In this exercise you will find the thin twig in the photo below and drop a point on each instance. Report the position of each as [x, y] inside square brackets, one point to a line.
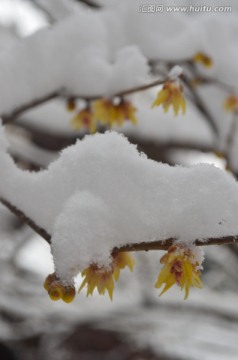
[199, 103]
[90, 3]
[7, 118]
[165, 244]
[43, 233]
[212, 81]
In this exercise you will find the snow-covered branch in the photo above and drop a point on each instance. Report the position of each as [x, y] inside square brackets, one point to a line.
[143, 246]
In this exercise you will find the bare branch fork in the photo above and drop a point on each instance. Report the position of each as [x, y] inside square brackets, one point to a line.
[143, 246]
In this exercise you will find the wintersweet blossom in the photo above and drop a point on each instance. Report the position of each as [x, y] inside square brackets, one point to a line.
[84, 119]
[106, 112]
[203, 59]
[103, 278]
[57, 290]
[121, 260]
[231, 103]
[100, 278]
[128, 110]
[182, 266]
[103, 111]
[171, 95]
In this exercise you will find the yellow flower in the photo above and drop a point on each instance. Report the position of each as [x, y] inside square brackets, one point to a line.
[100, 278]
[103, 278]
[103, 110]
[68, 294]
[203, 59]
[110, 114]
[231, 103]
[121, 260]
[128, 110]
[57, 290]
[171, 95]
[84, 119]
[181, 267]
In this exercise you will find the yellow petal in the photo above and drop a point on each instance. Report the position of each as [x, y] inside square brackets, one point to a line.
[170, 282]
[83, 284]
[116, 273]
[176, 104]
[162, 96]
[110, 287]
[183, 105]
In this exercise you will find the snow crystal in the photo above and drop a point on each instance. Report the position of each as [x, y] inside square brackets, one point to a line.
[102, 193]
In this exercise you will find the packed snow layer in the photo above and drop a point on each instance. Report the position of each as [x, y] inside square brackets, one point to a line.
[103, 52]
[102, 193]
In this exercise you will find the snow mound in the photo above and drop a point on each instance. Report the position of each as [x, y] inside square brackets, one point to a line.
[102, 193]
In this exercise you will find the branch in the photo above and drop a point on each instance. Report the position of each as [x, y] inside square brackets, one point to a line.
[199, 103]
[10, 117]
[90, 3]
[212, 81]
[144, 246]
[7, 118]
[43, 233]
[165, 244]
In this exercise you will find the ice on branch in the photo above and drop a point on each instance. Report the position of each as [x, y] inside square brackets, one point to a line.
[102, 193]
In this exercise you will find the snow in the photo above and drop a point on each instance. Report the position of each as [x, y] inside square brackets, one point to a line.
[22, 15]
[80, 64]
[22, 147]
[102, 52]
[175, 72]
[102, 193]
[108, 187]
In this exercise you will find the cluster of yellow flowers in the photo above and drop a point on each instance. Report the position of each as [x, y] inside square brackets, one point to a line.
[181, 267]
[104, 112]
[171, 95]
[57, 290]
[103, 278]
